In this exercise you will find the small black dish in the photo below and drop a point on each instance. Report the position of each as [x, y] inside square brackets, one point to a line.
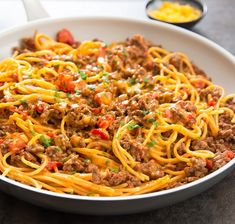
[199, 4]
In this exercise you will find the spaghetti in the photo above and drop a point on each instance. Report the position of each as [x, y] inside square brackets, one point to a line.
[109, 120]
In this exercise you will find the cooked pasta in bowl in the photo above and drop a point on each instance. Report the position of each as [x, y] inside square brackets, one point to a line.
[109, 119]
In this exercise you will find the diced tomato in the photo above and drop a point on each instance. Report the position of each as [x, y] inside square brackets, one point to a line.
[96, 110]
[17, 142]
[102, 52]
[134, 106]
[209, 164]
[65, 83]
[51, 134]
[1, 83]
[65, 36]
[104, 122]
[229, 154]
[81, 84]
[103, 98]
[199, 84]
[167, 114]
[101, 133]
[40, 107]
[190, 117]
[52, 165]
[211, 103]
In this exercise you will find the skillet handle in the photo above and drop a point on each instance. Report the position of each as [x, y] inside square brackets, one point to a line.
[34, 10]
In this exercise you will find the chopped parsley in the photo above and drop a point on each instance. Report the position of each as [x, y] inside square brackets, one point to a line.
[83, 75]
[150, 120]
[133, 126]
[155, 123]
[114, 169]
[145, 112]
[46, 142]
[151, 144]
[68, 95]
[146, 79]
[77, 92]
[23, 101]
[132, 81]
[105, 73]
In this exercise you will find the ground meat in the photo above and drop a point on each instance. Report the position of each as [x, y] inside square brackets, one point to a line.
[162, 94]
[5, 113]
[151, 168]
[74, 164]
[219, 160]
[36, 148]
[135, 148]
[11, 128]
[225, 140]
[146, 102]
[16, 158]
[226, 128]
[115, 179]
[62, 142]
[176, 60]
[215, 93]
[26, 44]
[51, 116]
[137, 47]
[77, 141]
[56, 154]
[152, 67]
[182, 112]
[200, 144]
[28, 156]
[198, 168]
[187, 106]
[231, 104]
[80, 117]
[96, 176]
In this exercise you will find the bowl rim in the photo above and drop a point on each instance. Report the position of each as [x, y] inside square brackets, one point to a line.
[46, 21]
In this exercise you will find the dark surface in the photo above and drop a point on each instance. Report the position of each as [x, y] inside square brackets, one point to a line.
[216, 206]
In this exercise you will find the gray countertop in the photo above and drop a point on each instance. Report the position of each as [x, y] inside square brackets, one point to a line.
[216, 206]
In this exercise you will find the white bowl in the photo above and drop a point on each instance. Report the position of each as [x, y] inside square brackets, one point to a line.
[217, 63]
